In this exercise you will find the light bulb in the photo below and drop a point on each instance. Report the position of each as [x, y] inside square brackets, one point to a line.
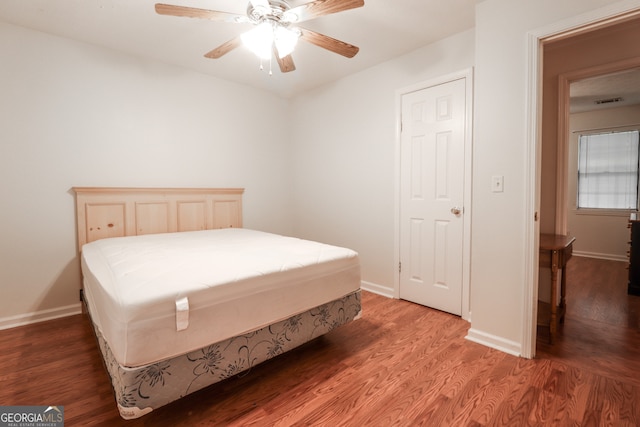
[260, 40]
[285, 40]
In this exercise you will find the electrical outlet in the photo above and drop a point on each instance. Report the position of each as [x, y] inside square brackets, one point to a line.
[497, 183]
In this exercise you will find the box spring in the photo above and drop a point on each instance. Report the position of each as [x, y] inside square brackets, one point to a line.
[140, 390]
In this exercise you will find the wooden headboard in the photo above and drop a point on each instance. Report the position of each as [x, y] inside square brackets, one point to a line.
[113, 212]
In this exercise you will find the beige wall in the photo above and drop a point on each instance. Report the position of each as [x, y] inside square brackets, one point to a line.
[73, 114]
[79, 115]
[601, 236]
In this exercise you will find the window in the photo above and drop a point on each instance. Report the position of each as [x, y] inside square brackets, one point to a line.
[608, 171]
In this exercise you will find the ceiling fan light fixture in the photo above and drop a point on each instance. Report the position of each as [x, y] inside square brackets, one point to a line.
[259, 40]
[273, 33]
[285, 39]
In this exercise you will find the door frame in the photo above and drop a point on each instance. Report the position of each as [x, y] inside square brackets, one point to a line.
[608, 15]
[467, 75]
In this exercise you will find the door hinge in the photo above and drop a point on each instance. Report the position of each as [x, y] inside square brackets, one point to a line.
[399, 267]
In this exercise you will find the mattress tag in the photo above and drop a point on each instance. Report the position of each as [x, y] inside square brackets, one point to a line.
[182, 314]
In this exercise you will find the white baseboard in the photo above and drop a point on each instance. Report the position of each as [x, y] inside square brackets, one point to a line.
[377, 289]
[601, 256]
[498, 343]
[39, 316]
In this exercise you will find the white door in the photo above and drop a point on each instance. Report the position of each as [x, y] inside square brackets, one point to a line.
[432, 181]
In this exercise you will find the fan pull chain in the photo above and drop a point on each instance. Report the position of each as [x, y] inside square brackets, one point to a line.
[261, 68]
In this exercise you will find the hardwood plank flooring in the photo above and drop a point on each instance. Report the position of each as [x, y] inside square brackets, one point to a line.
[401, 364]
[601, 332]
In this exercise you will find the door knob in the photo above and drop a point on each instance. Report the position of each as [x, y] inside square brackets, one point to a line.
[456, 210]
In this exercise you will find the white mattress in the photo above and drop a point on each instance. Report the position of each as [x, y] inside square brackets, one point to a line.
[233, 280]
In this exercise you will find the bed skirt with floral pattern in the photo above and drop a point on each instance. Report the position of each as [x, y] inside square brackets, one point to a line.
[140, 390]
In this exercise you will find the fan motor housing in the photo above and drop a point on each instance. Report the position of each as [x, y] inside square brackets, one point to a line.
[277, 11]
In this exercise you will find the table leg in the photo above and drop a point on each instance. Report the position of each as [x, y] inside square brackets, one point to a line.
[563, 290]
[553, 323]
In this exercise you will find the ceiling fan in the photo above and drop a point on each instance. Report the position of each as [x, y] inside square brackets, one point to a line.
[275, 29]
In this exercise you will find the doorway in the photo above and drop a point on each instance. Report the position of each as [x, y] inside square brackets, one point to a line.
[601, 49]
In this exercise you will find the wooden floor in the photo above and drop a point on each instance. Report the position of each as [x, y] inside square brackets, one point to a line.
[601, 333]
[401, 364]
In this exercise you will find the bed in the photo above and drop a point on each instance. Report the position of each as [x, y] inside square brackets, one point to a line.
[181, 296]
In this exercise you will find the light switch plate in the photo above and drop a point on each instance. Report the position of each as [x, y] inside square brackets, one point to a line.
[497, 183]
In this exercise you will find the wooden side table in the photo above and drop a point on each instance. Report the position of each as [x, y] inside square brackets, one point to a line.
[555, 252]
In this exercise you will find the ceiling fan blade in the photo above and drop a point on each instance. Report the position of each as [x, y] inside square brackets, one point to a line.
[192, 12]
[286, 63]
[224, 48]
[318, 8]
[329, 43]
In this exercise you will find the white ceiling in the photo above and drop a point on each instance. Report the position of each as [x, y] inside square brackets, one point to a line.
[382, 29]
[624, 86]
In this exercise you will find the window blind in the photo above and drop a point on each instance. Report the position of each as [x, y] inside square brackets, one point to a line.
[608, 170]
